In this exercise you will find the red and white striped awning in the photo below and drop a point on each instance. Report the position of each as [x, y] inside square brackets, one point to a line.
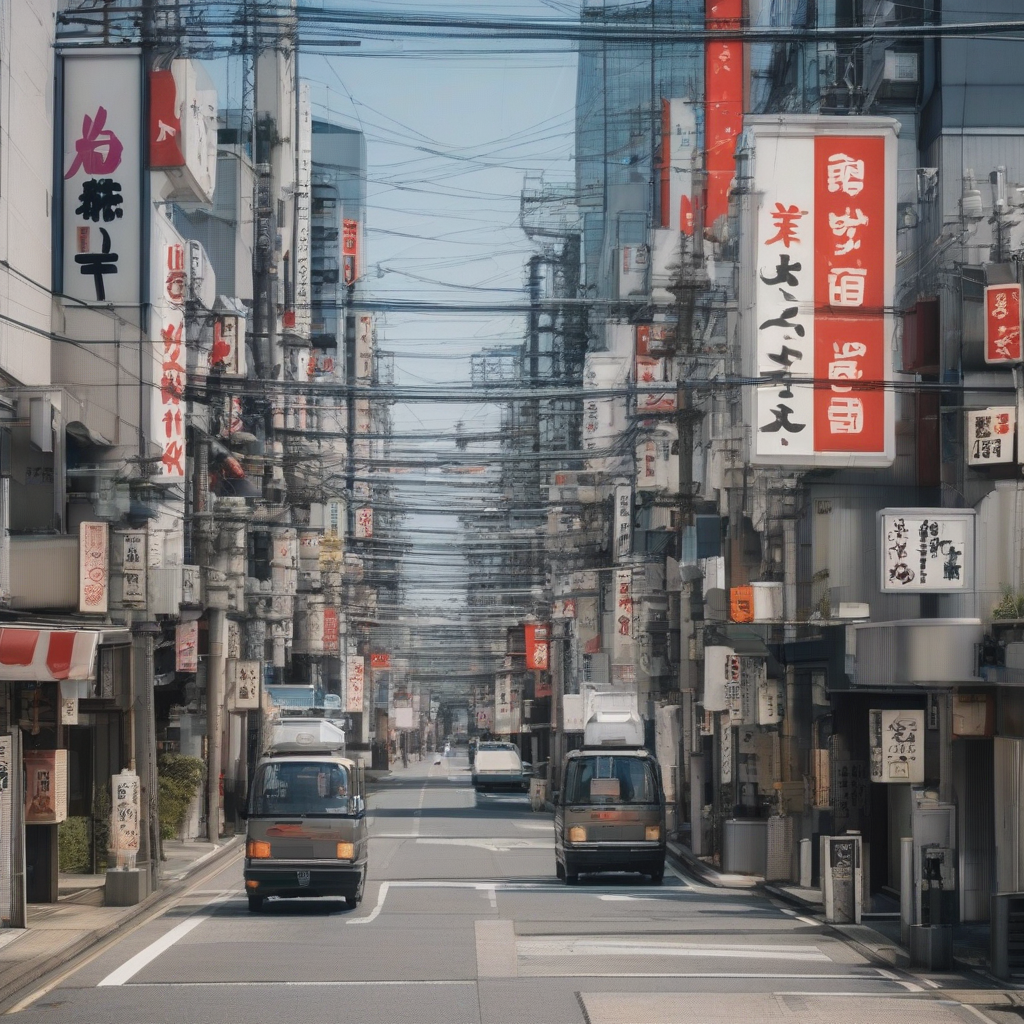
[47, 655]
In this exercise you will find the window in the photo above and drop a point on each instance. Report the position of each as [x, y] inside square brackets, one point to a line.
[611, 779]
[302, 788]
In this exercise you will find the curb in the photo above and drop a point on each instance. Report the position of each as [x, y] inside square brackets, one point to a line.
[32, 972]
[707, 875]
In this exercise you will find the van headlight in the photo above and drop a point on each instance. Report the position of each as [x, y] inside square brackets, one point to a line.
[257, 849]
[346, 851]
[652, 833]
[577, 834]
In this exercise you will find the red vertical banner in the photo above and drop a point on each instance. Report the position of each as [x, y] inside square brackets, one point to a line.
[537, 647]
[723, 105]
[1002, 323]
[849, 293]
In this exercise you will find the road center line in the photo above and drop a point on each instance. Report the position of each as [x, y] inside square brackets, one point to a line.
[131, 967]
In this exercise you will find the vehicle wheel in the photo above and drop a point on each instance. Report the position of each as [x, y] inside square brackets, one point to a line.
[657, 876]
[572, 876]
[255, 903]
[559, 870]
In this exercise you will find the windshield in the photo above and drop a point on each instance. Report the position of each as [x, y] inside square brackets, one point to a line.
[300, 787]
[602, 779]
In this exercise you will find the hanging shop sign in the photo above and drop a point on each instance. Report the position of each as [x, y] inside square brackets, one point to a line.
[503, 702]
[679, 148]
[622, 618]
[169, 289]
[350, 251]
[927, 550]
[988, 438]
[46, 786]
[725, 746]
[186, 646]
[355, 671]
[102, 173]
[723, 107]
[823, 285]
[1002, 323]
[623, 521]
[897, 745]
[93, 568]
[133, 569]
[246, 685]
[537, 646]
[721, 670]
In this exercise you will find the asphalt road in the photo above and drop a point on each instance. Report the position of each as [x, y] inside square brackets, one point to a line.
[463, 922]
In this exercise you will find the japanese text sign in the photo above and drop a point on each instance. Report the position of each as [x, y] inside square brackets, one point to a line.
[1002, 323]
[989, 436]
[102, 160]
[537, 647]
[926, 550]
[355, 684]
[897, 746]
[823, 282]
[169, 290]
[93, 568]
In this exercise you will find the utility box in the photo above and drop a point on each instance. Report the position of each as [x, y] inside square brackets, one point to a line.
[744, 846]
[842, 878]
[1007, 953]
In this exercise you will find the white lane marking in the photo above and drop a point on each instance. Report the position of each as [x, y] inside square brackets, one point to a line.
[524, 887]
[131, 967]
[375, 913]
[809, 920]
[930, 983]
[493, 845]
[975, 1011]
[291, 984]
[558, 946]
[888, 975]
[418, 813]
[617, 898]
[910, 986]
[492, 896]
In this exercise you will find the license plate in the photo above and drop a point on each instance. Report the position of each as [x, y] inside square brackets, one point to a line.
[302, 877]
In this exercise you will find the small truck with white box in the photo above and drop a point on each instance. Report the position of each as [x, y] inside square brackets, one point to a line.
[610, 814]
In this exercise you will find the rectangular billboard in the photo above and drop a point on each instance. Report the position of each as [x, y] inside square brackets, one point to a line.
[823, 277]
[102, 175]
[926, 550]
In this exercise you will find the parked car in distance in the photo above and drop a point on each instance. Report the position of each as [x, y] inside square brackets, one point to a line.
[499, 766]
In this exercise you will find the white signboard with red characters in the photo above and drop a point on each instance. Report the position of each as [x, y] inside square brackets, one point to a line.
[1002, 323]
[823, 284]
[102, 161]
[169, 289]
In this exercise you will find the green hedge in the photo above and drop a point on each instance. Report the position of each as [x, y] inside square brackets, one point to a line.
[74, 846]
[180, 778]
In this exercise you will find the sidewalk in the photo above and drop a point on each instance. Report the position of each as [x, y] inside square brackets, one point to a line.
[58, 932]
[874, 942]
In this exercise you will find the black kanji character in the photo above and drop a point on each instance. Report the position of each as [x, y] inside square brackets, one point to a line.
[99, 263]
[782, 421]
[784, 271]
[783, 321]
[100, 197]
[785, 357]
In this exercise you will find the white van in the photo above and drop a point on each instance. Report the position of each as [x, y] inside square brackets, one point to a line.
[498, 767]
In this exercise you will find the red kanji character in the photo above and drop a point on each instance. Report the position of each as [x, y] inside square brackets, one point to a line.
[172, 459]
[785, 219]
[172, 423]
[99, 149]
